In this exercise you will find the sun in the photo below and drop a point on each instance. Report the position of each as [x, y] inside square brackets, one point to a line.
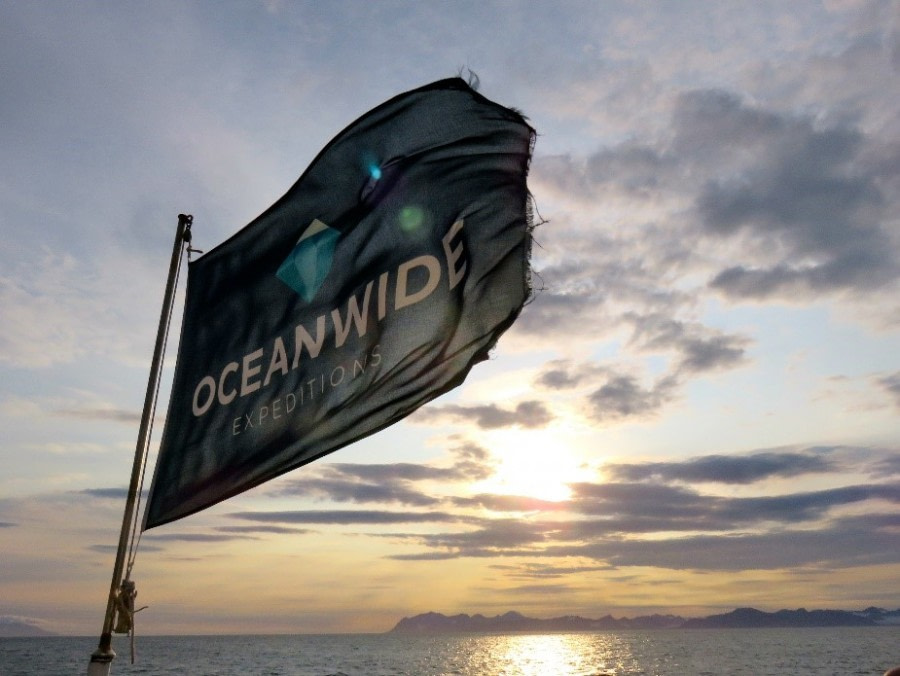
[531, 463]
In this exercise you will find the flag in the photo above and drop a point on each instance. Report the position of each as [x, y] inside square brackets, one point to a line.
[371, 287]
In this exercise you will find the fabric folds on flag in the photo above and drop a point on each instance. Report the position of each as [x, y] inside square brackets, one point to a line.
[374, 285]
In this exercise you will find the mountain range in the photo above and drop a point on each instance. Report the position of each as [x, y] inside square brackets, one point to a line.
[740, 618]
[15, 627]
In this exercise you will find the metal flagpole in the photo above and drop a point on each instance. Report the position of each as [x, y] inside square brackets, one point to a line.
[102, 658]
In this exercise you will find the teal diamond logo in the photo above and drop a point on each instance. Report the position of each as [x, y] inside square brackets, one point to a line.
[305, 268]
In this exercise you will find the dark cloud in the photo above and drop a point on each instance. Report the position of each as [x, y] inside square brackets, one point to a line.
[714, 126]
[803, 199]
[877, 521]
[195, 537]
[7, 524]
[623, 396]
[108, 414]
[673, 507]
[569, 307]
[633, 167]
[559, 378]
[352, 490]
[600, 517]
[697, 350]
[700, 349]
[528, 414]
[710, 354]
[508, 503]
[727, 469]
[804, 193]
[433, 556]
[106, 493]
[844, 542]
[346, 517]
[493, 537]
[276, 530]
[887, 467]
[638, 500]
[891, 385]
[803, 506]
[388, 483]
[542, 571]
[563, 374]
[496, 534]
[469, 451]
[112, 549]
[536, 589]
[402, 471]
[840, 546]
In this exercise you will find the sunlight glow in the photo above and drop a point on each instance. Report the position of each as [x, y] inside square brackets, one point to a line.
[532, 463]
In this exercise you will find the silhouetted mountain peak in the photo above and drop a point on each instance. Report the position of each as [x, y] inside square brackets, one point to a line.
[740, 618]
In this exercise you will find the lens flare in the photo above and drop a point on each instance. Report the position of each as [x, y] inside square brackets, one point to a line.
[411, 218]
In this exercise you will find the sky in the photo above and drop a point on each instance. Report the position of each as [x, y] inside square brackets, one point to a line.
[698, 411]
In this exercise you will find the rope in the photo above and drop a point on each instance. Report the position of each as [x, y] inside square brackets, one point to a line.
[135, 539]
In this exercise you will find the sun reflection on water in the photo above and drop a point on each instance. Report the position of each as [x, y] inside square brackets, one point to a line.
[549, 654]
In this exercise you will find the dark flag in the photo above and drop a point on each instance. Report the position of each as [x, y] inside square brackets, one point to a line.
[373, 286]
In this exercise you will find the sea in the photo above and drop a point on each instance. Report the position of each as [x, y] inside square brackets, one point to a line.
[676, 652]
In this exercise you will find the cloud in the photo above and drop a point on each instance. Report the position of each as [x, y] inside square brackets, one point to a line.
[496, 534]
[628, 523]
[388, 483]
[404, 471]
[727, 469]
[196, 537]
[623, 396]
[543, 571]
[7, 524]
[351, 490]
[774, 196]
[839, 546]
[700, 349]
[714, 353]
[113, 549]
[111, 414]
[887, 467]
[346, 517]
[804, 192]
[891, 384]
[494, 537]
[277, 530]
[527, 414]
[860, 542]
[537, 589]
[674, 507]
[119, 494]
[563, 374]
[634, 167]
[869, 539]
[508, 503]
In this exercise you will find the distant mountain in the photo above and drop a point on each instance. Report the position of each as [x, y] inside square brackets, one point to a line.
[741, 618]
[13, 627]
[880, 615]
[747, 618]
[429, 623]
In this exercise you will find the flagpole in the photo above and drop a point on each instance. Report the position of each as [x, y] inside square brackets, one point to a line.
[102, 658]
